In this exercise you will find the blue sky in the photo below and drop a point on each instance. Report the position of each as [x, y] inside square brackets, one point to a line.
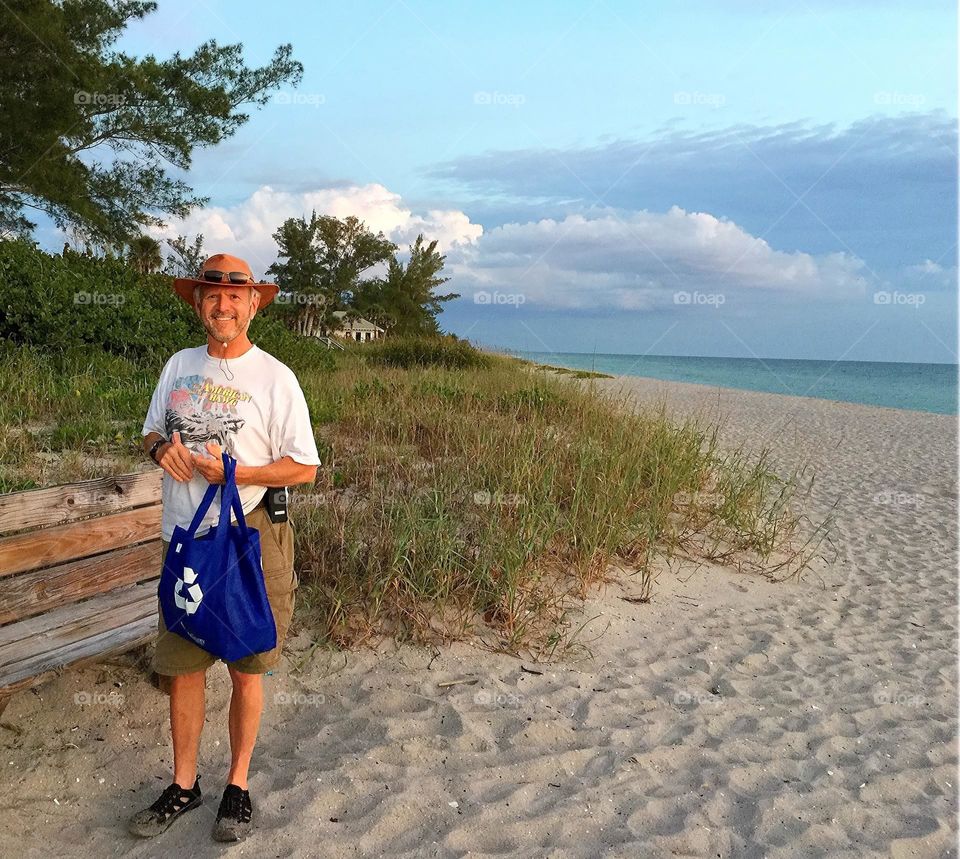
[729, 178]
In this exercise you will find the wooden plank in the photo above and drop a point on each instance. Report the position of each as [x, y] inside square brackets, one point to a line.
[137, 628]
[139, 632]
[55, 505]
[37, 549]
[73, 615]
[106, 627]
[42, 590]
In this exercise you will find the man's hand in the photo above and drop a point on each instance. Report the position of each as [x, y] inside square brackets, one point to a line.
[174, 459]
[210, 469]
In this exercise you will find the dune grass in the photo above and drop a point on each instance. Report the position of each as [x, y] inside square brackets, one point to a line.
[488, 501]
[69, 415]
[462, 495]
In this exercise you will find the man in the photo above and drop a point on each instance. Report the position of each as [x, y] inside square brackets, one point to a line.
[228, 394]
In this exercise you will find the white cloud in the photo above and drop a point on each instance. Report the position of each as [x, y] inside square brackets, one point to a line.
[639, 260]
[612, 261]
[928, 266]
[247, 229]
[929, 275]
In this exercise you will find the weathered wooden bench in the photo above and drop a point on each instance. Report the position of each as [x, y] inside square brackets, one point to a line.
[79, 565]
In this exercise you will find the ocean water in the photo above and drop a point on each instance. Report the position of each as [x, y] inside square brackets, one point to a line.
[922, 387]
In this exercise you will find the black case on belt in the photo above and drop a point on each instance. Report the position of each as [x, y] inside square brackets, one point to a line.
[276, 503]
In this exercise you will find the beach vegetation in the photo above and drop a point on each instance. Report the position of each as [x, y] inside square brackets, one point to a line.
[462, 495]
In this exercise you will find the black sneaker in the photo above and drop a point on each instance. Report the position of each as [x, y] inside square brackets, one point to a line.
[173, 802]
[234, 815]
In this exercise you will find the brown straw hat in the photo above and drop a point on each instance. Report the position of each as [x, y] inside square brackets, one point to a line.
[224, 270]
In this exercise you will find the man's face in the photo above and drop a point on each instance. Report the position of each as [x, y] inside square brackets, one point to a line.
[225, 311]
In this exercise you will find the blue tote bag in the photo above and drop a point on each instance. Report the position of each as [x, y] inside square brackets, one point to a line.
[211, 589]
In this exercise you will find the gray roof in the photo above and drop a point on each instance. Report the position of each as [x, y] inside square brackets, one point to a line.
[355, 324]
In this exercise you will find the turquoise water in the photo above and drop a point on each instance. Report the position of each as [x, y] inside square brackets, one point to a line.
[922, 387]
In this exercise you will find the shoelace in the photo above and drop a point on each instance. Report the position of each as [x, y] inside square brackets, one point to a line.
[172, 800]
[236, 805]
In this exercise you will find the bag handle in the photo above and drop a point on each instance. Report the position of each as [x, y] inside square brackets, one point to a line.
[230, 495]
[202, 509]
[229, 500]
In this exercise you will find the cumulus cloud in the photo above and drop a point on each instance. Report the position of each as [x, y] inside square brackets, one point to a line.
[247, 228]
[639, 260]
[614, 260]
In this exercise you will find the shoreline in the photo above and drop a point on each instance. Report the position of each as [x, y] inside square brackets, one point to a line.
[722, 390]
[725, 388]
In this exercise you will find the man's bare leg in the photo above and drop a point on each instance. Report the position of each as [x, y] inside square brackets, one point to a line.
[246, 705]
[187, 707]
[186, 723]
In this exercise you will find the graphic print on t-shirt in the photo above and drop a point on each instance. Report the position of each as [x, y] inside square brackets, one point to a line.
[202, 410]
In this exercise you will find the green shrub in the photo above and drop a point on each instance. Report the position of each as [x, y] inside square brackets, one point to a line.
[409, 352]
[61, 302]
[64, 302]
[298, 353]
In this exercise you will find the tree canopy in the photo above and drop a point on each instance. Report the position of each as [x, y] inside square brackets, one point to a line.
[186, 257]
[403, 302]
[88, 134]
[144, 255]
[319, 265]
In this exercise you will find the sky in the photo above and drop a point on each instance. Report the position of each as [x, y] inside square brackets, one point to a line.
[734, 178]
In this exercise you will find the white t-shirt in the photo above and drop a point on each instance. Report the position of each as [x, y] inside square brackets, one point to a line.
[252, 406]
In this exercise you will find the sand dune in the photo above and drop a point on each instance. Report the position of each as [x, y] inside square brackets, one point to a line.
[730, 717]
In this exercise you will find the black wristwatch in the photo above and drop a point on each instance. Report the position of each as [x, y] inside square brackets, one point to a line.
[155, 447]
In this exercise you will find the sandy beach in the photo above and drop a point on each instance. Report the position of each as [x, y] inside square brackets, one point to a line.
[730, 717]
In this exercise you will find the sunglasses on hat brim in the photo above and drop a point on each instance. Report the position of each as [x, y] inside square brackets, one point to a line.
[237, 277]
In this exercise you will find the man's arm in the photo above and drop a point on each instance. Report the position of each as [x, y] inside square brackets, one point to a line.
[286, 471]
[172, 457]
[149, 439]
[179, 462]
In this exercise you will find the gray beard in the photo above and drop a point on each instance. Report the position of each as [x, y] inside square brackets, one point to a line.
[220, 338]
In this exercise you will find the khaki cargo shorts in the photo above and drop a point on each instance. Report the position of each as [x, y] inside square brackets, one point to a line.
[175, 655]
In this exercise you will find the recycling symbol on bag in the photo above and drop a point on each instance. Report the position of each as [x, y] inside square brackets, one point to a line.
[191, 602]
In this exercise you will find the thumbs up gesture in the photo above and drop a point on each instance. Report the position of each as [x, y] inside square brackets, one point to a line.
[211, 467]
[175, 459]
